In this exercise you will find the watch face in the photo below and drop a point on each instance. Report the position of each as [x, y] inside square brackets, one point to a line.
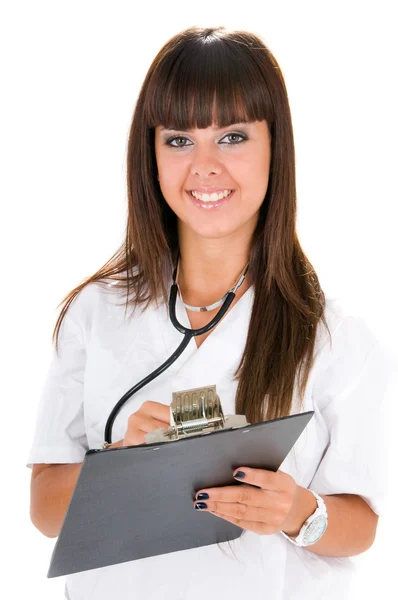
[315, 530]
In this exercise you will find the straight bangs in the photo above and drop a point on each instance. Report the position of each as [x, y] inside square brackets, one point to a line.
[217, 82]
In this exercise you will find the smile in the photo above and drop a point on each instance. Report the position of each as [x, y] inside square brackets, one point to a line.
[221, 200]
[210, 197]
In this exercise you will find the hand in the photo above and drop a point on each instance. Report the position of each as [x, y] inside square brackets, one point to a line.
[152, 415]
[266, 503]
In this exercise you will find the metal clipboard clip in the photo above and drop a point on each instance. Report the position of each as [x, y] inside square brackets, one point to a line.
[195, 412]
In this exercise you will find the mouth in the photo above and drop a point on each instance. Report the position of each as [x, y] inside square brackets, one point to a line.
[210, 204]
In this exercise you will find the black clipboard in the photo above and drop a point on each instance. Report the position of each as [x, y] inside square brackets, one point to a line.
[137, 501]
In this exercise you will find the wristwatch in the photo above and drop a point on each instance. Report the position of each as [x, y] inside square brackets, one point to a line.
[314, 527]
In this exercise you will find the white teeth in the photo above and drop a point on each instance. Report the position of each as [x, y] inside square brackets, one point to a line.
[211, 197]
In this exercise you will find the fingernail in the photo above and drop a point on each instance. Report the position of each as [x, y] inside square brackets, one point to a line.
[203, 496]
[200, 505]
[240, 475]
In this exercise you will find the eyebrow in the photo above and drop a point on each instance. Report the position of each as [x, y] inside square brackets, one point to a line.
[214, 128]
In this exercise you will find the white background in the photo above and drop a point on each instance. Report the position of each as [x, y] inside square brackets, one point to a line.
[70, 76]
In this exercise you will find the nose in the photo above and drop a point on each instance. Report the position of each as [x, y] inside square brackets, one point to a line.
[204, 162]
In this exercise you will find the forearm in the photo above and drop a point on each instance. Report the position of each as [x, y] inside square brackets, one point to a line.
[52, 490]
[351, 526]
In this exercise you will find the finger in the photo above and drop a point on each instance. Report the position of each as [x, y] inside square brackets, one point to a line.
[147, 424]
[267, 480]
[257, 527]
[243, 494]
[156, 410]
[246, 513]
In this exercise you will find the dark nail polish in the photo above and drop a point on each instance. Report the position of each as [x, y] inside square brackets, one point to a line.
[200, 505]
[240, 475]
[203, 496]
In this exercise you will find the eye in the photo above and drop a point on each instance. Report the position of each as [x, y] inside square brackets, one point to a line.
[229, 135]
[244, 138]
[176, 137]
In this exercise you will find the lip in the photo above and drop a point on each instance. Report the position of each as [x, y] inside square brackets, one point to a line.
[209, 190]
[211, 205]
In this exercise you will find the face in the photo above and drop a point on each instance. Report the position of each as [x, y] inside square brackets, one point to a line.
[232, 158]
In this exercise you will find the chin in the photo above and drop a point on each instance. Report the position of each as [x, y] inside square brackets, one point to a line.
[212, 231]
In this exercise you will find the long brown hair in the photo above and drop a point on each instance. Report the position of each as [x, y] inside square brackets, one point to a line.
[199, 75]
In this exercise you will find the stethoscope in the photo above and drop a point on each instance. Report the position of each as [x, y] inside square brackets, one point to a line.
[188, 335]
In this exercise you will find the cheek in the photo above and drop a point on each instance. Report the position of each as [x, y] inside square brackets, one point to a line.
[252, 181]
[172, 178]
[254, 176]
[173, 196]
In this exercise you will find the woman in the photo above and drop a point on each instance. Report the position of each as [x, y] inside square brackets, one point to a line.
[213, 117]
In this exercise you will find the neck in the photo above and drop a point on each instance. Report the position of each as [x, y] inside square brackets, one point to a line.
[206, 274]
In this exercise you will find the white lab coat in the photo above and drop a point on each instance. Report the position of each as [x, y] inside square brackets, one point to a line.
[102, 356]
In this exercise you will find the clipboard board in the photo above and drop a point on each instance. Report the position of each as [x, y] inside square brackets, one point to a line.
[136, 502]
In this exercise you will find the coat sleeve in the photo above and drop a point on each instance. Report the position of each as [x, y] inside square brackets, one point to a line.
[352, 393]
[59, 433]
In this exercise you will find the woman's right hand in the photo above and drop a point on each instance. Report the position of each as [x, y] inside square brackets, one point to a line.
[152, 415]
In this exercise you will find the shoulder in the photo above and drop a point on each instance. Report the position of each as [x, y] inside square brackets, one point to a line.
[350, 331]
[354, 355]
[351, 343]
[96, 301]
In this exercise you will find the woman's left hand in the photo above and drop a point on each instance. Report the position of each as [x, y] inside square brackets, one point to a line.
[265, 503]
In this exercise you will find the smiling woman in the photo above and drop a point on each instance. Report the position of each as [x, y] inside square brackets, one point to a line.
[212, 190]
[213, 112]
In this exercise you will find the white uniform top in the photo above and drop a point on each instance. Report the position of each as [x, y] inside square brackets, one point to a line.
[341, 451]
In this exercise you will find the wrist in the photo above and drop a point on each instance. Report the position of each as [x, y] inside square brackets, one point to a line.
[304, 507]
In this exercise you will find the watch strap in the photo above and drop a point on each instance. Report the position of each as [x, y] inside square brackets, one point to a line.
[320, 510]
